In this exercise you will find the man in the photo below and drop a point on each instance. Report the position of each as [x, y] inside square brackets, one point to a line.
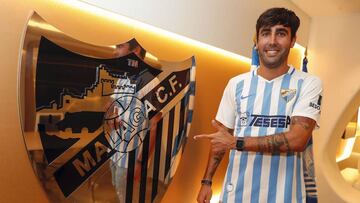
[265, 119]
[118, 128]
[131, 46]
[134, 123]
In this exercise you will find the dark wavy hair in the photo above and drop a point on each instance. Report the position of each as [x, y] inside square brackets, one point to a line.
[278, 16]
[133, 44]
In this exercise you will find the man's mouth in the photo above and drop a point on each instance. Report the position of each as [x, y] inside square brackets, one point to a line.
[271, 52]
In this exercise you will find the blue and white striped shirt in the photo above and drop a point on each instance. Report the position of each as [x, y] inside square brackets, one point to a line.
[254, 106]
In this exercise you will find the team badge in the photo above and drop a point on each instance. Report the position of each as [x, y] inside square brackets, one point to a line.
[288, 94]
[90, 110]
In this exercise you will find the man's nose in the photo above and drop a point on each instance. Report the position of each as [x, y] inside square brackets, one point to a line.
[272, 38]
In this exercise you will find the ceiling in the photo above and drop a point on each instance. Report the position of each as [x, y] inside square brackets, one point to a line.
[328, 7]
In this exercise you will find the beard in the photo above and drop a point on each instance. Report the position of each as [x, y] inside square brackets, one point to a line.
[276, 59]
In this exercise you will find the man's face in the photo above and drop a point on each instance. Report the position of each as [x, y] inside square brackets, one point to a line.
[122, 49]
[274, 45]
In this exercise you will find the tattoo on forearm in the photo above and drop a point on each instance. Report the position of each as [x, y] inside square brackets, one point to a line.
[300, 129]
[263, 145]
[217, 158]
[303, 122]
[280, 141]
[214, 163]
[287, 145]
[274, 143]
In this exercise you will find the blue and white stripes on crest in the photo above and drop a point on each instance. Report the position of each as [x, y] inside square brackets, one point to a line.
[181, 134]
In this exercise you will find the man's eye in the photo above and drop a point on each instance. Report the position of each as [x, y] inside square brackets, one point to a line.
[264, 34]
[281, 34]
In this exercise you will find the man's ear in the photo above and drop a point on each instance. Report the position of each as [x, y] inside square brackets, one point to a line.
[255, 41]
[293, 40]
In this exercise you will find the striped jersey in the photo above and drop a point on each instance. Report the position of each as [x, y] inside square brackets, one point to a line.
[254, 106]
[132, 115]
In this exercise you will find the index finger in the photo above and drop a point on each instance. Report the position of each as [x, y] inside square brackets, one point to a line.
[204, 136]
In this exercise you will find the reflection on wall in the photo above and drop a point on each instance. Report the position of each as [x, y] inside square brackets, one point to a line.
[348, 152]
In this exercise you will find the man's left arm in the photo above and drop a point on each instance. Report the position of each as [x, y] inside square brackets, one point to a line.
[292, 141]
[304, 118]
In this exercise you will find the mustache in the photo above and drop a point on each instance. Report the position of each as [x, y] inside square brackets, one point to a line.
[272, 46]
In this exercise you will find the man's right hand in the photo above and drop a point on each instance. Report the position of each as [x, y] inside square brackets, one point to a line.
[205, 194]
[221, 141]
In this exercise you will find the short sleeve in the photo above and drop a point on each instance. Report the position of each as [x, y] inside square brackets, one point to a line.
[226, 111]
[308, 103]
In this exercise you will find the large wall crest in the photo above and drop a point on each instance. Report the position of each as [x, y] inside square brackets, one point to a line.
[102, 123]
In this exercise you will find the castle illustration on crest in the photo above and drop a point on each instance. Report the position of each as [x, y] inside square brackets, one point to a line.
[94, 97]
[79, 112]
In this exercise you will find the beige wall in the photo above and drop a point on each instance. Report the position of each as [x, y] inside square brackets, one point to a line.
[17, 180]
[228, 24]
[14, 164]
[334, 56]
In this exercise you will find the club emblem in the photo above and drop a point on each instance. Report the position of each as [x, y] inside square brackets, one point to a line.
[94, 112]
[288, 94]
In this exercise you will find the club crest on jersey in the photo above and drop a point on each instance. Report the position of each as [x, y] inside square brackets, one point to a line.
[287, 94]
[244, 118]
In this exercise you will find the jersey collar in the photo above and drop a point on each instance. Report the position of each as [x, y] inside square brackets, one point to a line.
[290, 72]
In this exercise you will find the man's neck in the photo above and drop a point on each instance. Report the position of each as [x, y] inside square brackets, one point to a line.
[271, 73]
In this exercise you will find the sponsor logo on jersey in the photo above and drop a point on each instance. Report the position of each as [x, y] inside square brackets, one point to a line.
[273, 121]
[288, 94]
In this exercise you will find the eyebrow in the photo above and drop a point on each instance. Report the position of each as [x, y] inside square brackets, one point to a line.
[281, 30]
[266, 29]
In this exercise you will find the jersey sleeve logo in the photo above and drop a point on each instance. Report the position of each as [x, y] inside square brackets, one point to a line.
[316, 105]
